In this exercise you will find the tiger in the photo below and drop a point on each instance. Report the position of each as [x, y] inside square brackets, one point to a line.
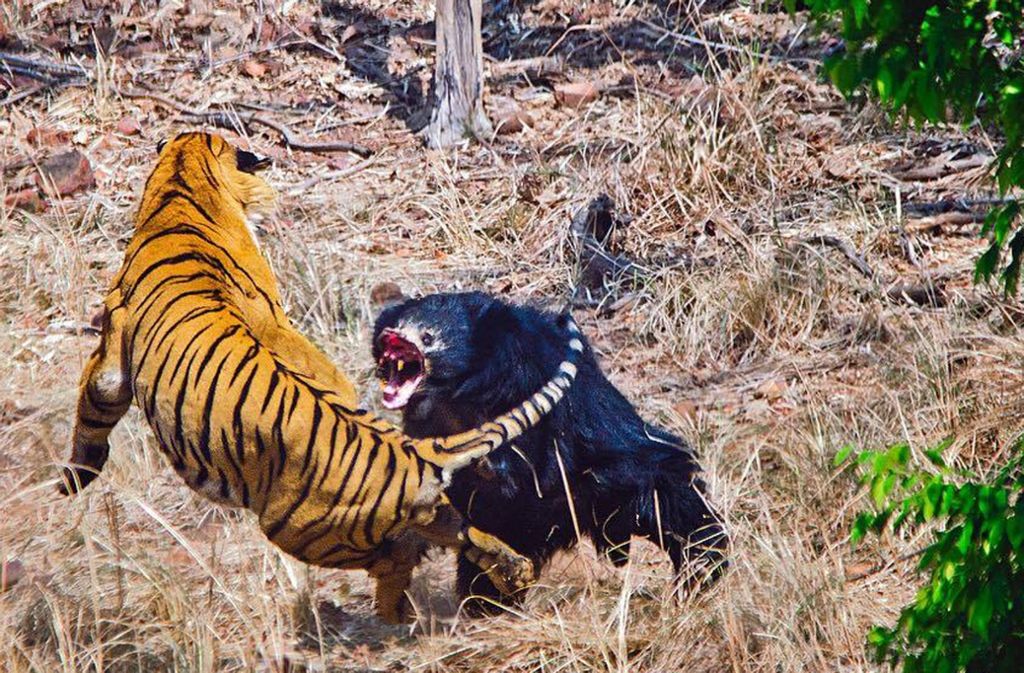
[248, 412]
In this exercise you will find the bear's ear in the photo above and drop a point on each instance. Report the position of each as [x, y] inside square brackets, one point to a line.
[387, 294]
[247, 162]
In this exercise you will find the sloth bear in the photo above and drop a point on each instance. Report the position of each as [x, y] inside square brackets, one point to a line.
[451, 361]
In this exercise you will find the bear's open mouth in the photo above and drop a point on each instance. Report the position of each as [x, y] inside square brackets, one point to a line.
[400, 369]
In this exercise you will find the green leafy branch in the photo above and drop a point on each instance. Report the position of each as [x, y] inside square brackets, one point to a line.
[936, 61]
[969, 615]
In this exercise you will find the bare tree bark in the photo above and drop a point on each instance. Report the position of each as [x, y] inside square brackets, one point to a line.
[458, 75]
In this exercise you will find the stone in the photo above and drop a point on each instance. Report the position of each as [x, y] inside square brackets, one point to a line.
[66, 173]
[576, 94]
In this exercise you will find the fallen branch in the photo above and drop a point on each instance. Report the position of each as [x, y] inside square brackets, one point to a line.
[304, 186]
[325, 147]
[47, 74]
[842, 246]
[711, 45]
[924, 294]
[24, 93]
[879, 567]
[56, 74]
[935, 223]
[541, 65]
[16, 165]
[42, 70]
[940, 169]
[946, 205]
[224, 119]
[907, 245]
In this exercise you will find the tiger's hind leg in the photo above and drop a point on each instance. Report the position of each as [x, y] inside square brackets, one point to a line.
[393, 573]
[104, 397]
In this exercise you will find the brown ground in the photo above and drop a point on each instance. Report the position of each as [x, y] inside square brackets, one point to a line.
[766, 353]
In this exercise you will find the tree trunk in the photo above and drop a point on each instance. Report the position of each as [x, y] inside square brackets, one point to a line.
[458, 75]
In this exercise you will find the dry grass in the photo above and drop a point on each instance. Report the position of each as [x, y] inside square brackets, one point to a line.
[729, 167]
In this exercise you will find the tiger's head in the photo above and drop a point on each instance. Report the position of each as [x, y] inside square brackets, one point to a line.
[230, 170]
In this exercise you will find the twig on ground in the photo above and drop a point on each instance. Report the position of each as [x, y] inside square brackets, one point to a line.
[842, 246]
[907, 244]
[325, 147]
[542, 65]
[249, 53]
[16, 165]
[39, 69]
[935, 223]
[225, 120]
[947, 205]
[721, 46]
[874, 570]
[47, 74]
[305, 185]
[67, 75]
[24, 93]
[940, 169]
[926, 293]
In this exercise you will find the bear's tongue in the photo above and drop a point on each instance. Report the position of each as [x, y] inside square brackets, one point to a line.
[397, 391]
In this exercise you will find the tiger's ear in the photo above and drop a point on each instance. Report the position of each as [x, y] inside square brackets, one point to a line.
[160, 146]
[247, 162]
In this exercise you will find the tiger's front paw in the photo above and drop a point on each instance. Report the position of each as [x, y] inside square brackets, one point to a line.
[508, 570]
[511, 573]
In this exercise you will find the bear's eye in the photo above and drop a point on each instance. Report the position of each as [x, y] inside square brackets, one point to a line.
[428, 338]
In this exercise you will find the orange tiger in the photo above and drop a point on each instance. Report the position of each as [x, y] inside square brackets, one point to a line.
[248, 411]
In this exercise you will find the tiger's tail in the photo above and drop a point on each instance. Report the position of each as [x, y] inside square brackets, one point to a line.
[457, 451]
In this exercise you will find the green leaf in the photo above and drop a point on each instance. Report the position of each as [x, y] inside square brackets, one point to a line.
[842, 455]
[860, 527]
[878, 491]
[860, 11]
[980, 612]
[987, 263]
[1015, 532]
[845, 75]
[929, 100]
[966, 535]
[932, 498]
[934, 456]
[884, 83]
[1011, 275]
[995, 534]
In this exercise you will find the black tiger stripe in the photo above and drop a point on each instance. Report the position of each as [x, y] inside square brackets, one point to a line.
[282, 448]
[211, 396]
[95, 423]
[226, 446]
[371, 517]
[314, 436]
[333, 443]
[275, 377]
[237, 425]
